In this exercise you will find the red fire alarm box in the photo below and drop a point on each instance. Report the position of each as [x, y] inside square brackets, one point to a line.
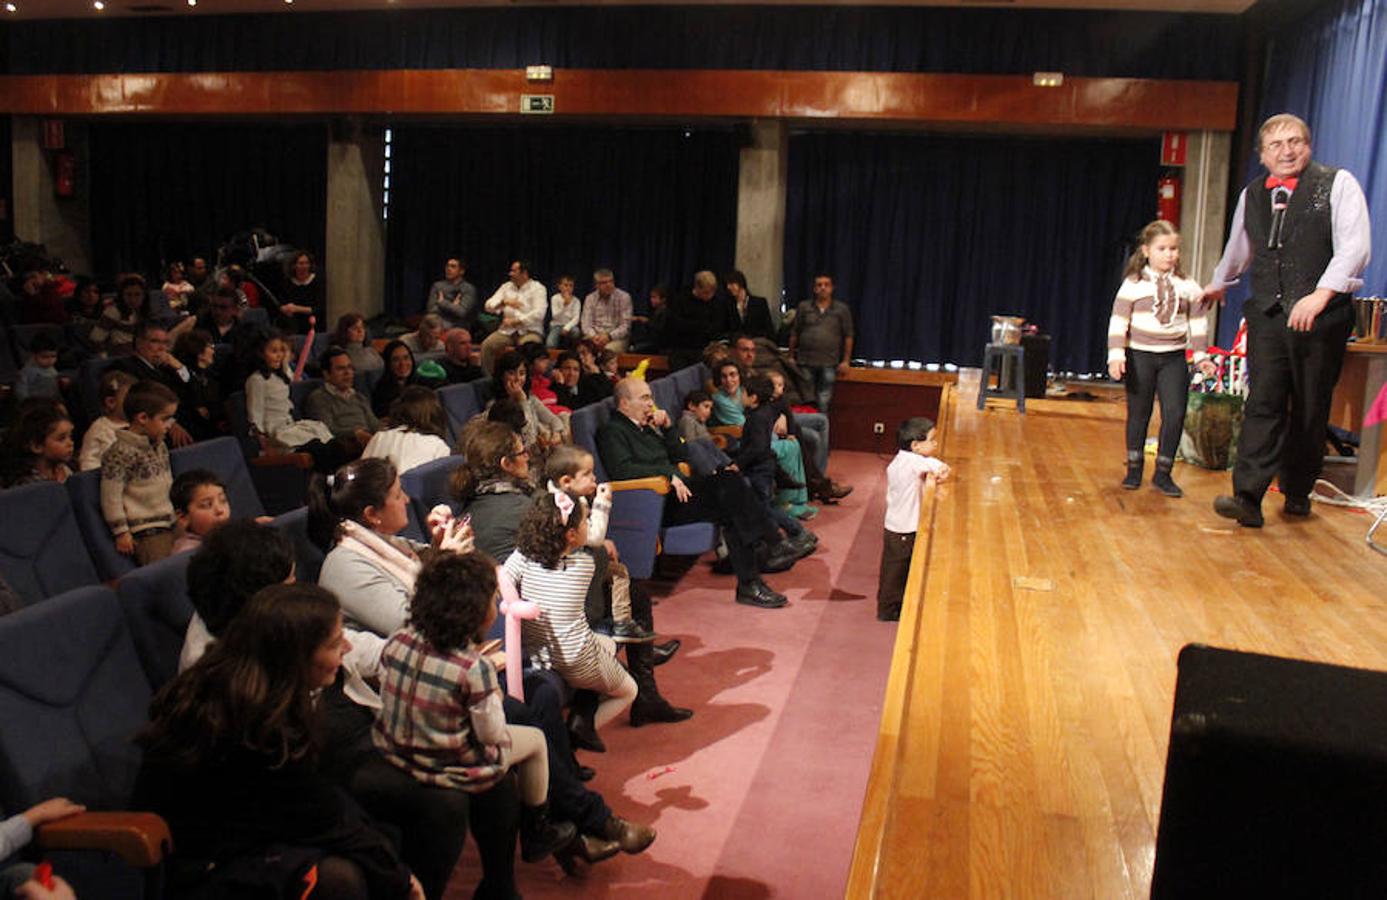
[1173, 144]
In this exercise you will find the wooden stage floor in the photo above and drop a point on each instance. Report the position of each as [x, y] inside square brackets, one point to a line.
[1024, 736]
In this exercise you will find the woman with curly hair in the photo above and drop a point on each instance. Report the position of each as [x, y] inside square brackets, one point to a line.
[230, 762]
[494, 485]
[441, 717]
[548, 569]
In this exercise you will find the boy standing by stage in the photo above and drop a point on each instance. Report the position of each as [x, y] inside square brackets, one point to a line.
[914, 462]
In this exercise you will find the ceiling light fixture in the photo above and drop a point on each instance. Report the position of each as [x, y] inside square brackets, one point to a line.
[10, 7]
[98, 6]
[192, 2]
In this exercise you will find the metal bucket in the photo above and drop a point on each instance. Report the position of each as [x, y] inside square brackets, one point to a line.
[1369, 313]
[1007, 329]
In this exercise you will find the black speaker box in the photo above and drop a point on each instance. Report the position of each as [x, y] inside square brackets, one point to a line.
[1276, 780]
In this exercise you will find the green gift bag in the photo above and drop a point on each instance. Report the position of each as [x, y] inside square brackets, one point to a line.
[1212, 423]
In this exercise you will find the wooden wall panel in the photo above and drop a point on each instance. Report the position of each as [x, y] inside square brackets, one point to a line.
[1111, 104]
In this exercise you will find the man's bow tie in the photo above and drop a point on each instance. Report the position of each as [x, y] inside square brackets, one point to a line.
[1287, 183]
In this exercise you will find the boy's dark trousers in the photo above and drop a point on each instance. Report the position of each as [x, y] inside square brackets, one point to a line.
[895, 569]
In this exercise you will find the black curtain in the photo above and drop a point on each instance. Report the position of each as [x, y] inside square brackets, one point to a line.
[654, 205]
[929, 235]
[165, 191]
[735, 36]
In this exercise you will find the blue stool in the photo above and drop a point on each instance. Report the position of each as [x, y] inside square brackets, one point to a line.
[1009, 362]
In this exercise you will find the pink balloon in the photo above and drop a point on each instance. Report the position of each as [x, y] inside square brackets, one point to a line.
[514, 609]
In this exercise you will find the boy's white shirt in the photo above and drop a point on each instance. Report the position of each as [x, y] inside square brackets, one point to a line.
[903, 488]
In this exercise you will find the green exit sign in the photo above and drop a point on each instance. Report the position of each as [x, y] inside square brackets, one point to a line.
[537, 104]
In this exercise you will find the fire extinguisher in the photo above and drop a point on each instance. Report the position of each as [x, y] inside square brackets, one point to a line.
[1168, 198]
[65, 175]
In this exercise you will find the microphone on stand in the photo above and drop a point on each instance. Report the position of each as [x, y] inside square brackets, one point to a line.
[1279, 201]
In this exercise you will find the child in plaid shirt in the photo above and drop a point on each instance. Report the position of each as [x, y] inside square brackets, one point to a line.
[441, 718]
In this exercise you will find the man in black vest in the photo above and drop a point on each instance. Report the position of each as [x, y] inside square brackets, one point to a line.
[1303, 231]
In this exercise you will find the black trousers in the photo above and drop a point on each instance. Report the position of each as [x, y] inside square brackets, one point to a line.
[1149, 376]
[895, 569]
[1292, 375]
[569, 798]
[727, 499]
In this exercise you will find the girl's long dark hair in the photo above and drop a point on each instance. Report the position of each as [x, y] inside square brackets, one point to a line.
[17, 456]
[355, 486]
[253, 690]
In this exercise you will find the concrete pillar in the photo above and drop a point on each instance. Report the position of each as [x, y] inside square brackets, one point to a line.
[62, 224]
[1203, 207]
[354, 258]
[761, 211]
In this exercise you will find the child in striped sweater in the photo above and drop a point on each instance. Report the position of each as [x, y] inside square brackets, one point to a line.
[1157, 314]
[549, 569]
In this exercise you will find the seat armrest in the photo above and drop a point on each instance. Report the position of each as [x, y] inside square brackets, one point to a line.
[657, 483]
[140, 839]
[734, 431]
[296, 460]
[685, 470]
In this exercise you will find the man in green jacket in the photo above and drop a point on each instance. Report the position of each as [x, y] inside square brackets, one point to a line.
[638, 442]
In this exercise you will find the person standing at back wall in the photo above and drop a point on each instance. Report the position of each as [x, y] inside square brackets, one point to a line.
[1303, 233]
[821, 339]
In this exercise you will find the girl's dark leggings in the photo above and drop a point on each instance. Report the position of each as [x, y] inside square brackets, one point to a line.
[1151, 375]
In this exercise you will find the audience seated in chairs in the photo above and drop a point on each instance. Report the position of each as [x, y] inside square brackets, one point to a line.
[416, 435]
[427, 339]
[114, 332]
[457, 359]
[339, 405]
[351, 336]
[399, 374]
[639, 442]
[37, 446]
[511, 381]
[231, 763]
[271, 410]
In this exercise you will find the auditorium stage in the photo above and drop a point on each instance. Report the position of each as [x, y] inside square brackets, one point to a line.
[1027, 714]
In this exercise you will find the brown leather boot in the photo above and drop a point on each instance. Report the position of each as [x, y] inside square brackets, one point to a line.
[632, 836]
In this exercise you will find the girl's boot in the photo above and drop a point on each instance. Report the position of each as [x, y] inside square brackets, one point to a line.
[1162, 481]
[1134, 467]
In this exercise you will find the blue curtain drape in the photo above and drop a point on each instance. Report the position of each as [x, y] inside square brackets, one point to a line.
[895, 39]
[928, 235]
[654, 205]
[162, 192]
[1331, 70]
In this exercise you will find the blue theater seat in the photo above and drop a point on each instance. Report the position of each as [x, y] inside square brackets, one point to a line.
[85, 490]
[308, 556]
[636, 513]
[73, 695]
[42, 551]
[460, 404]
[427, 485]
[157, 611]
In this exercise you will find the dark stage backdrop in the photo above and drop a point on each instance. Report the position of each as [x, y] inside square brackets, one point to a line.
[735, 36]
[654, 205]
[166, 191]
[929, 235]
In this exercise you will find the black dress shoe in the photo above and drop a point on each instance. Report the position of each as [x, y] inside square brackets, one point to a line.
[586, 773]
[583, 735]
[663, 653]
[656, 710]
[804, 543]
[1297, 506]
[723, 566]
[779, 558]
[1234, 507]
[757, 593]
[629, 631]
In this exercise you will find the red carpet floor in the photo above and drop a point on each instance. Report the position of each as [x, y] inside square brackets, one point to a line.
[759, 794]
